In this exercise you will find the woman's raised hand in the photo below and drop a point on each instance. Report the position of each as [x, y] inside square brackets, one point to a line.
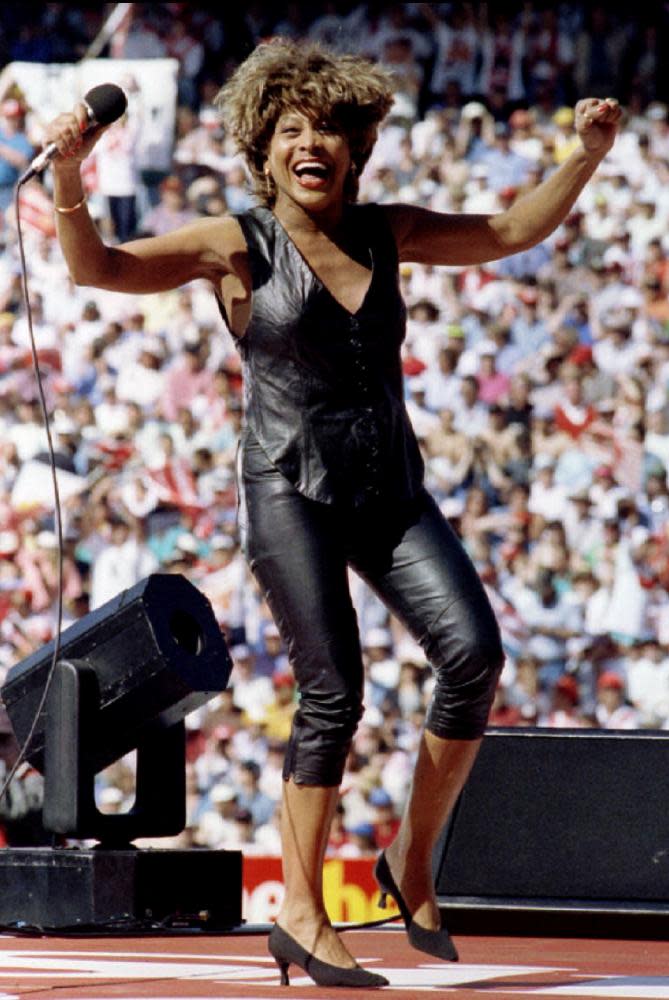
[596, 122]
[72, 135]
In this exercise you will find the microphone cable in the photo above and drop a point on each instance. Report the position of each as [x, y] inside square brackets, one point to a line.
[104, 105]
[23, 751]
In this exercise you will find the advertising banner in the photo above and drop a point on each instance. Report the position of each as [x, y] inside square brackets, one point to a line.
[351, 893]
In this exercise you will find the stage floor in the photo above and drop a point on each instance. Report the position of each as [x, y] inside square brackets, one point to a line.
[239, 968]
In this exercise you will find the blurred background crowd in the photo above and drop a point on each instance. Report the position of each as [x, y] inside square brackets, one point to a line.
[538, 385]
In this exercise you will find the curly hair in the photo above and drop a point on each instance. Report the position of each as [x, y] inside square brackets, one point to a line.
[281, 75]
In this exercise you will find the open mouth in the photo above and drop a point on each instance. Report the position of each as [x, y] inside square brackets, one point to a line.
[311, 173]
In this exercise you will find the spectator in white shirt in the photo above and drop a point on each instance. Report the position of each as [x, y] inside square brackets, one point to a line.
[251, 694]
[442, 384]
[471, 415]
[548, 499]
[423, 420]
[648, 682]
[143, 382]
[122, 562]
[551, 620]
[613, 711]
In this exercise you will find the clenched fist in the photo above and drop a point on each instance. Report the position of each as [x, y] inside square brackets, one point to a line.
[596, 122]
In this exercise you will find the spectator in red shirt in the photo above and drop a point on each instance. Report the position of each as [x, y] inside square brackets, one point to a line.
[573, 415]
[501, 712]
[565, 711]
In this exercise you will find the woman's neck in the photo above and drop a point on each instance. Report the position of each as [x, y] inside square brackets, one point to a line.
[295, 219]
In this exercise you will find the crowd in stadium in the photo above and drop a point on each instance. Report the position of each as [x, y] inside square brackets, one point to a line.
[538, 387]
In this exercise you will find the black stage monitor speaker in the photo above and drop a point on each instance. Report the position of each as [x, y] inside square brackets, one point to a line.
[157, 653]
[556, 819]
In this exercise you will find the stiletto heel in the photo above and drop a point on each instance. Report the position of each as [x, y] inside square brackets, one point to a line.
[283, 972]
[436, 943]
[285, 949]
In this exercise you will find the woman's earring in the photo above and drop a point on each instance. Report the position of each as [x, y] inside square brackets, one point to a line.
[351, 183]
[268, 184]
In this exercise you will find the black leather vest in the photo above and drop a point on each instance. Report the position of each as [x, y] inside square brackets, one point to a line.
[323, 387]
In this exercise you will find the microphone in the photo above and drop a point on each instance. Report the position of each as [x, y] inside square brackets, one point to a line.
[104, 105]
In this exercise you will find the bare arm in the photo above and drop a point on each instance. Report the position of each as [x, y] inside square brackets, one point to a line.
[427, 237]
[202, 249]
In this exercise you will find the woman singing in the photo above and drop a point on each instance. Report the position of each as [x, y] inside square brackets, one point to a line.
[331, 474]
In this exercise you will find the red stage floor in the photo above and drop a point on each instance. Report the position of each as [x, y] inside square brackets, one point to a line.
[238, 968]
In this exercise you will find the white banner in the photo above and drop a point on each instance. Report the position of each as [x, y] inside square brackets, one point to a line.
[33, 486]
[151, 86]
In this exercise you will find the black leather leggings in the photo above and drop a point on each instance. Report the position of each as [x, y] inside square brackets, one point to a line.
[299, 551]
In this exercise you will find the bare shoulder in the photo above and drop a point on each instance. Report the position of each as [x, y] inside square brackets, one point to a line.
[218, 240]
[229, 241]
[398, 219]
[205, 248]
[213, 246]
[229, 230]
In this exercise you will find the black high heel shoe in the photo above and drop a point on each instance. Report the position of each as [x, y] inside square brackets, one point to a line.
[436, 943]
[285, 950]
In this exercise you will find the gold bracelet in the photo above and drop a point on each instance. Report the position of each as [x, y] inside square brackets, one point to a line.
[66, 211]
